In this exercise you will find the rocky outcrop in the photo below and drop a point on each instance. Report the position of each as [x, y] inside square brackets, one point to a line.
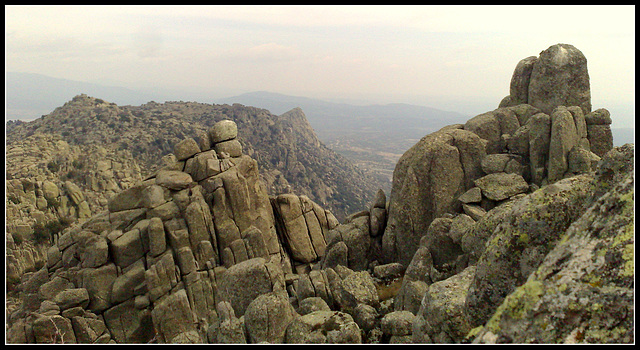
[286, 148]
[582, 290]
[52, 184]
[557, 77]
[158, 263]
[505, 229]
[427, 182]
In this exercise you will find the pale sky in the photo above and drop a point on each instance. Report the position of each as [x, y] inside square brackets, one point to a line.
[320, 51]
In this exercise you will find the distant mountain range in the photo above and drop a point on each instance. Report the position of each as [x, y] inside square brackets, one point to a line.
[331, 119]
[373, 136]
[389, 128]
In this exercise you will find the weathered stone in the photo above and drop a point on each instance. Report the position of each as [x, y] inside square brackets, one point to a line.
[156, 236]
[72, 297]
[600, 139]
[53, 330]
[564, 137]
[388, 271]
[74, 192]
[519, 87]
[231, 147]
[50, 289]
[141, 196]
[230, 330]
[459, 226]
[336, 254]
[127, 248]
[560, 78]
[88, 330]
[186, 149]
[267, 318]
[495, 163]
[357, 288]
[128, 324]
[420, 193]
[173, 180]
[501, 186]
[126, 285]
[473, 195]
[332, 327]
[539, 137]
[441, 317]
[161, 277]
[397, 323]
[204, 165]
[244, 281]
[600, 116]
[173, 320]
[50, 191]
[99, 284]
[580, 161]
[487, 126]
[297, 236]
[93, 251]
[311, 304]
[222, 131]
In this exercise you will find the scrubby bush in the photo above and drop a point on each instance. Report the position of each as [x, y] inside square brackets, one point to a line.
[44, 232]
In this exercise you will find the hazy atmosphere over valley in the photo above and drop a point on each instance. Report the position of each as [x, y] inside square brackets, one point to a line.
[453, 58]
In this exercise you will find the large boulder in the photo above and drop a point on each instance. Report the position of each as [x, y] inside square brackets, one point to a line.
[427, 182]
[304, 226]
[441, 317]
[519, 88]
[267, 318]
[583, 290]
[173, 320]
[560, 78]
[518, 239]
[319, 327]
[500, 186]
[244, 282]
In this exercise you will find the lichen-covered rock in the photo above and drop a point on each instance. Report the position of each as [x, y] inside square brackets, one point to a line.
[319, 327]
[441, 317]
[267, 318]
[397, 323]
[356, 288]
[245, 281]
[519, 239]
[500, 186]
[427, 182]
[583, 291]
[560, 78]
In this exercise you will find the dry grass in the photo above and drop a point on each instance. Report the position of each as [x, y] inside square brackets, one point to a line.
[389, 290]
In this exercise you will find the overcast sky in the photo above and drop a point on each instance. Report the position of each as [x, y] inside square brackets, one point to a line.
[320, 51]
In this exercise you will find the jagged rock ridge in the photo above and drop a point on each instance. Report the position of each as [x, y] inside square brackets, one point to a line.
[292, 158]
[527, 244]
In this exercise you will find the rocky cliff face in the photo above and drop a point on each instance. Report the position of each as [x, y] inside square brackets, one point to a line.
[290, 155]
[516, 226]
[64, 167]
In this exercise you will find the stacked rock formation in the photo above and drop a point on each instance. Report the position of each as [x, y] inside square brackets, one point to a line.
[159, 253]
[499, 154]
[51, 184]
[498, 230]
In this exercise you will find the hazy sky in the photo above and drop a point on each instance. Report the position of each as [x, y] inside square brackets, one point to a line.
[320, 51]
